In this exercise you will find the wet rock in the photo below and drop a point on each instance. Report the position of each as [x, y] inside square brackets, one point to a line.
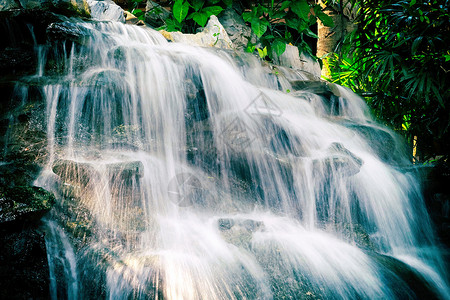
[74, 173]
[68, 7]
[23, 264]
[403, 280]
[293, 59]
[381, 141]
[239, 231]
[155, 14]
[341, 160]
[17, 59]
[213, 35]
[239, 33]
[67, 31]
[6, 5]
[106, 10]
[24, 203]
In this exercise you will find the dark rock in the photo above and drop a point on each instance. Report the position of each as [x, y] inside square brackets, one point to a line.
[24, 203]
[68, 7]
[74, 173]
[239, 231]
[106, 10]
[239, 33]
[155, 14]
[382, 141]
[403, 280]
[67, 31]
[24, 272]
[340, 161]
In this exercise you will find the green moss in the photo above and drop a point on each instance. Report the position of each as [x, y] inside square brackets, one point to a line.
[35, 198]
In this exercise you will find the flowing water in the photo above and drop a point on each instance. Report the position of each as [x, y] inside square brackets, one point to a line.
[190, 173]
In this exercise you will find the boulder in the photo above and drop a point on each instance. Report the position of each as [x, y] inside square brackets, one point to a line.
[67, 7]
[24, 203]
[67, 31]
[239, 33]
[6, 5]
[291, 58]
[106, 10]
[155, 14]
[23, 264]
[213, 35]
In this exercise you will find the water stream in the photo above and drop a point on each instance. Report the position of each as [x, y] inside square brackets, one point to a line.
[190, 173]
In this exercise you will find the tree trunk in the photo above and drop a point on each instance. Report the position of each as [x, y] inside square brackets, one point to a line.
[331, 38]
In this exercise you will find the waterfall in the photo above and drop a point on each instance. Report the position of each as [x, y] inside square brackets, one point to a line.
[190, 173]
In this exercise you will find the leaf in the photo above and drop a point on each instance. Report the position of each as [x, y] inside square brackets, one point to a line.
[212, 10]
[260, 52]
[200, 18]
[213, 1]
[416, 44]
[247, 16]
[250, 47]
[259, 27]
[180, 10]
[325, 19]
[308, 32]
[285, 5]
[197, 4]
[297, 24]
[279, 47]
[301, 9]
[228, 3]
[172, 25]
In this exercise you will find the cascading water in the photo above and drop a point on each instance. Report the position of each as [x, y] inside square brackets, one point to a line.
[187, 173]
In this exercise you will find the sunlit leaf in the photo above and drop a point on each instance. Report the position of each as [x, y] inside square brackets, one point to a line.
[180, 10]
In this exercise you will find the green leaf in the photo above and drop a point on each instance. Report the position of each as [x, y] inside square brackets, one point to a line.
[200, 18]
[279, 47]
[247, 16]
[262, 53]
[285, 5]
[416, 44]
[250, 47]
[412, 2]
[228, 3]
[213, 1]
[180, 10]
[212, 10]
[197, 4]
[297, 24]
[172, 25]
[308, 32]
[301, 9]
[325, 19]
[259, 27]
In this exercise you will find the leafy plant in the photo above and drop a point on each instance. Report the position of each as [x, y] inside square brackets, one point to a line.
[135, 10]
[276, 24]
[188, 15]
[399, 59]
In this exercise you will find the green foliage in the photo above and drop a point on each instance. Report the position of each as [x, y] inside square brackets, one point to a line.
[276, 24]
[399, 57]
[187, 15]
[134, 4]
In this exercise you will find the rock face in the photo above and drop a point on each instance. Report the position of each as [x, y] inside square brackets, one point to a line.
[106, 10]
[155, 14]
[74, 7]
[23, 264]
[240, 34]
[213, 35]
[291, 58]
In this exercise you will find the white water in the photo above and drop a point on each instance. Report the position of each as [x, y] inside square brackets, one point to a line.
[191, 175]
